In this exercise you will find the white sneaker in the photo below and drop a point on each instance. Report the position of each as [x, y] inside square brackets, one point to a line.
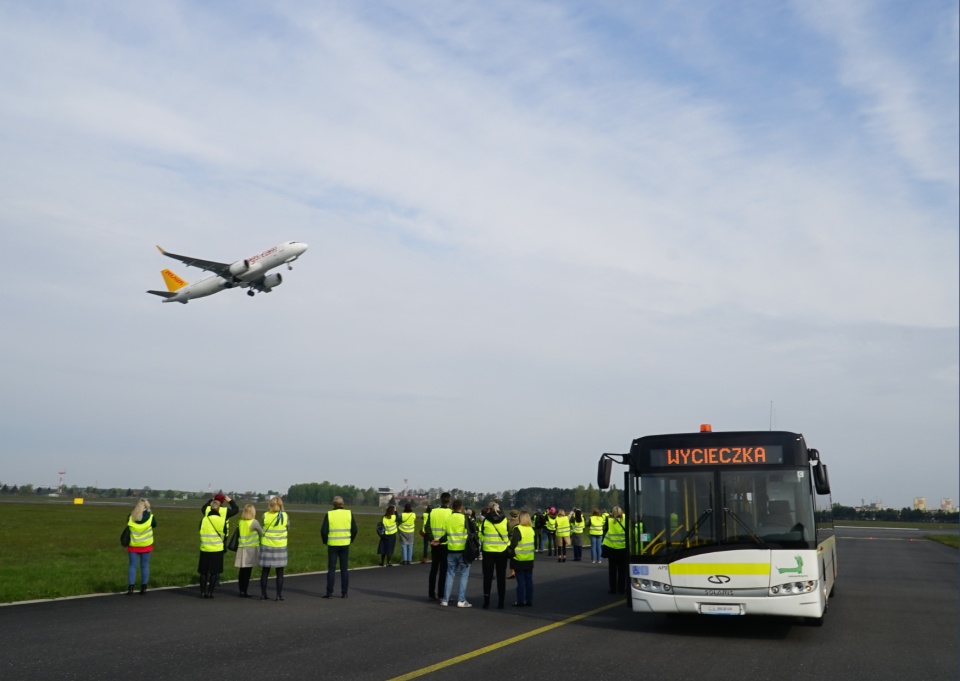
[443, 603]
[464, 604]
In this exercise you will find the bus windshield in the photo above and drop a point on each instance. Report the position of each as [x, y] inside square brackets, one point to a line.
[680, 511]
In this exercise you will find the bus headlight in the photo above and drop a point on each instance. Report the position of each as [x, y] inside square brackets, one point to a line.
[651, 586]
[793, 588]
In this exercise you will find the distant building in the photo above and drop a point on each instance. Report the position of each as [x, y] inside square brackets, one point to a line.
[385, 496]
[946, 504]
[920, 503]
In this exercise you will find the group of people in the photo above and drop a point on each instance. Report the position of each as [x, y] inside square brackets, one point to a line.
[456, 538]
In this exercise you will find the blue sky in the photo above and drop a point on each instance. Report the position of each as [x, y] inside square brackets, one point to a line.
[536, 232]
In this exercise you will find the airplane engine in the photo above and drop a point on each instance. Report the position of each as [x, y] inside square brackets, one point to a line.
[272, 280]
[239, 267]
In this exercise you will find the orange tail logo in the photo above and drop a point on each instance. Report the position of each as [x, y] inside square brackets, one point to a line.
[173, 282]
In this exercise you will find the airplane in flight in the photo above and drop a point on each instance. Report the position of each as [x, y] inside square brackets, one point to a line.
[252, 273]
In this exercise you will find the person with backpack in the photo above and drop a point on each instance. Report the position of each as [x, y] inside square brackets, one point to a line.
[456, 534]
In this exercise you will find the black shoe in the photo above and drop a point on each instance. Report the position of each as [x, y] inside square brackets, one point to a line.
[130, 590]
[263, 597]
[143, 589]
[244, 594]
[280, 598]
[327, 596]
[518, 604]
[343, 595]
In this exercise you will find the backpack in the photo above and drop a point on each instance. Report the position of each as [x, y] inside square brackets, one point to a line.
[472, 550]
[380, 529]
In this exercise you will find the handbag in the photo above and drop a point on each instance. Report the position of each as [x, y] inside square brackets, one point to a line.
[125, 536]
[233, 541]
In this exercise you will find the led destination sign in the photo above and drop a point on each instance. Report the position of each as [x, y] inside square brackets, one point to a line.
[717, 456]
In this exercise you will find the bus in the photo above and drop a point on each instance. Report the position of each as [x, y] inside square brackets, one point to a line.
[727, 523]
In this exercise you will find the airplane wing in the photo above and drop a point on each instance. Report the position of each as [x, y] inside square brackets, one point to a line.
[220, 268]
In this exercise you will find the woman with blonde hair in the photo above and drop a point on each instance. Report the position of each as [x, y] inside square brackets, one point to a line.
[522, 549]
[248, 548]
[273, 546]
[615, 541]
[141, 523]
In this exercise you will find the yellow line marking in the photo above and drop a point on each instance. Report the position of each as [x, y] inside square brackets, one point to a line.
[502, 644]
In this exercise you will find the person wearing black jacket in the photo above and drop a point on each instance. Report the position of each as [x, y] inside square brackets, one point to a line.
[495, 537]
[213, 535]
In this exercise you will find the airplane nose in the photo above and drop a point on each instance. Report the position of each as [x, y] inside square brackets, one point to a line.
[303, 247]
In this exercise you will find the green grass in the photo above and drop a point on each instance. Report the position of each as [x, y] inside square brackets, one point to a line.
[948, 539]
[55, 549]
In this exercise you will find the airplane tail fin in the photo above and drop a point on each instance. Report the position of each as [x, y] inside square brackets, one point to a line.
[174, 283]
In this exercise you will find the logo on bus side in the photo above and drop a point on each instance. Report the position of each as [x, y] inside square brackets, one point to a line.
[718, 579]
[798, 569]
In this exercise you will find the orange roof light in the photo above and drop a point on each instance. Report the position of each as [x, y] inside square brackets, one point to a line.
[706, 428]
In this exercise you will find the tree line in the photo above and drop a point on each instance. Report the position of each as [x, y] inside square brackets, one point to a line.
[913, 515]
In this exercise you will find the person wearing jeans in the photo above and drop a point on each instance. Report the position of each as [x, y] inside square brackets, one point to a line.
[522, 547]
[338, 531]
[455, 533]
[595, 528]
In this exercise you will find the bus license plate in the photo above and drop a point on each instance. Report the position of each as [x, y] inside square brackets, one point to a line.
[720, 609]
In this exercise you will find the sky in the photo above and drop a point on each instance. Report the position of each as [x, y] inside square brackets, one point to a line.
[536, 232]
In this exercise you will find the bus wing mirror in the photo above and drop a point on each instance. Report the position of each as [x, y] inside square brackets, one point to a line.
[603, 472]
[820, 479]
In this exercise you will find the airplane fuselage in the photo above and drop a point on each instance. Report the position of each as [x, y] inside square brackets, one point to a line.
[252, 272]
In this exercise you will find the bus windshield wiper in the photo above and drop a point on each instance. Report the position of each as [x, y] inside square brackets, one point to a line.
[746, 526]
[693, 530]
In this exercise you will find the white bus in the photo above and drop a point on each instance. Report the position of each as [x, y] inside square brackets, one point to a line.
[727, 523]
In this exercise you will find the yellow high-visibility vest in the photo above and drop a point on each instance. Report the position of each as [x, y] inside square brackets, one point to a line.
[456, 531]
[596, 525]
[213, 528]
[524, 548]
[438, 520]
[141, 534]
[275, 529]
[408, 521]
[495, 536]
[616, 536]
[248, 537]
[563, 526]
[338, 527]
[389, 524]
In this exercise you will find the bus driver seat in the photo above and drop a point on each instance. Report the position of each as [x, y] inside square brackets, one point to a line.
[778, 513]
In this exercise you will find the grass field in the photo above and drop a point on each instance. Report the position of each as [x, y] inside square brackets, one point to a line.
[58, 549]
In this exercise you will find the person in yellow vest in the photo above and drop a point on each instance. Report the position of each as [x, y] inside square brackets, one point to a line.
[577, 523]
[550, 531]
[456, 531]
[213, 533]
[495, 537]
[595, 529]
[563, 535]
[522, 547]
[615, 541]
[408, 525]
[141, 523]
[388, 540]
[338, 531]
[435, 522]
[248, 547]
[273, 546]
